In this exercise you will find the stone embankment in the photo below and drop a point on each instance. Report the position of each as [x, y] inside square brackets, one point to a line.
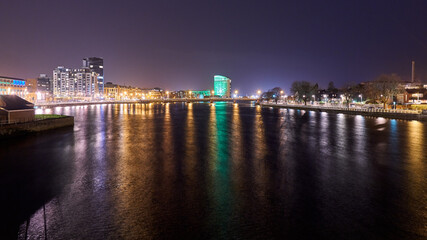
[385, 113]
[8, 130]
[145, 101]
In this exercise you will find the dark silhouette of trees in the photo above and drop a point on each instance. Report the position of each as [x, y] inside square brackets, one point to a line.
[383, 88]
[331, 88]
[274, 94]
[350, 91]
[303, 90]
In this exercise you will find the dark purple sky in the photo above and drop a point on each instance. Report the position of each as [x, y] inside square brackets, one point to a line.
[182, 44]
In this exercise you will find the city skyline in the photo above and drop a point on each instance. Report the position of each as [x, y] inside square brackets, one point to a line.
[265, 45]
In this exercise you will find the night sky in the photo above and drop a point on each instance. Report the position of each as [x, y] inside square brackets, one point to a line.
[182, 44]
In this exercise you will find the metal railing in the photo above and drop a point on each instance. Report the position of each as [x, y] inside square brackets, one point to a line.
[342, 108]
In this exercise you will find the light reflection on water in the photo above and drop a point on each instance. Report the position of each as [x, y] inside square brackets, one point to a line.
[218, 171]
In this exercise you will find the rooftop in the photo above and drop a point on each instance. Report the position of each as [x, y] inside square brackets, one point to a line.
[13, 102]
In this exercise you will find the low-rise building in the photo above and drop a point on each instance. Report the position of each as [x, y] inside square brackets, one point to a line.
[31, 85]
[14, 109]
[201, 93]
[414, 93]
[13, 86]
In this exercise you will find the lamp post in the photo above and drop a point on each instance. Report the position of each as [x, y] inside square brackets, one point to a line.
[314, 98]
[361, 99]
[259, 93]
[190, 93]
[167, 94]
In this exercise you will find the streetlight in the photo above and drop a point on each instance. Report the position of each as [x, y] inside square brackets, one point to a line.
[190, 93]
[213, 93]
[361, 99]
[235, 93]
[167, 94]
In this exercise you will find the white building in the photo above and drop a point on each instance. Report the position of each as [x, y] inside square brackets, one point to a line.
[75, 83]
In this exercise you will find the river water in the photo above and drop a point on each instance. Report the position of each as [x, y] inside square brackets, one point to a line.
[215, 171]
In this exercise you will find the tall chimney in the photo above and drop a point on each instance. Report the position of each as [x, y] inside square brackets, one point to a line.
[413, 72]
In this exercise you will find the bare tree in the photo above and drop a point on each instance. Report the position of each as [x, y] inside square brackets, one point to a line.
[383, 88]
[349, 91]
[303, 90]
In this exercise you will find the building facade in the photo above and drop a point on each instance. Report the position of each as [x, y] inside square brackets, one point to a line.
[222, 86]
[201, 93]
[415, 93]
[31, 84]
[111, 91]
[61, 83]
[96, 64]
[13, 86]
[76, 83]
[44, 84]
[119, 93]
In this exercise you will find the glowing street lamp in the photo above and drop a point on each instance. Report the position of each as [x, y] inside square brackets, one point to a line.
[235, 93]
[361, 99]
[167, 94]
[190, 93]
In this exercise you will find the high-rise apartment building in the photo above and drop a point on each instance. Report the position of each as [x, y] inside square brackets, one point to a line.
[96, 64]
[222, 86]
[85, 83]
[75, 82]
[62, 83]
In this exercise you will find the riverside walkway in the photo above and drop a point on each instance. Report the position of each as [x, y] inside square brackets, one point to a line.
[373, 112]
[170, 100]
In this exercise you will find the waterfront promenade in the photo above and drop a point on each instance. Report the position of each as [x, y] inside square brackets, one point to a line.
[170, 100]
[372, 112]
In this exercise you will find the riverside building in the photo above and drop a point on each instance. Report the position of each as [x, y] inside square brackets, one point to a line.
[75, 83]
[43, 84]
[96, 64]
[222, 86]
[13, 86]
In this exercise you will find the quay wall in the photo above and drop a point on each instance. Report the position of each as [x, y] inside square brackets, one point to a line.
[385, 114]
[35, 126]
[146, 101]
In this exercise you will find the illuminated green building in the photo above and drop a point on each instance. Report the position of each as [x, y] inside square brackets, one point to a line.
[222, 86]
[201, 94]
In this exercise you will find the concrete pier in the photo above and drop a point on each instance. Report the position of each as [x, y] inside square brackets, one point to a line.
[8, 130]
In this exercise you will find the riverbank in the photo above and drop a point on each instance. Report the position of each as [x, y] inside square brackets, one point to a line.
[393, 114]
[144, 101]
[42, 123]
